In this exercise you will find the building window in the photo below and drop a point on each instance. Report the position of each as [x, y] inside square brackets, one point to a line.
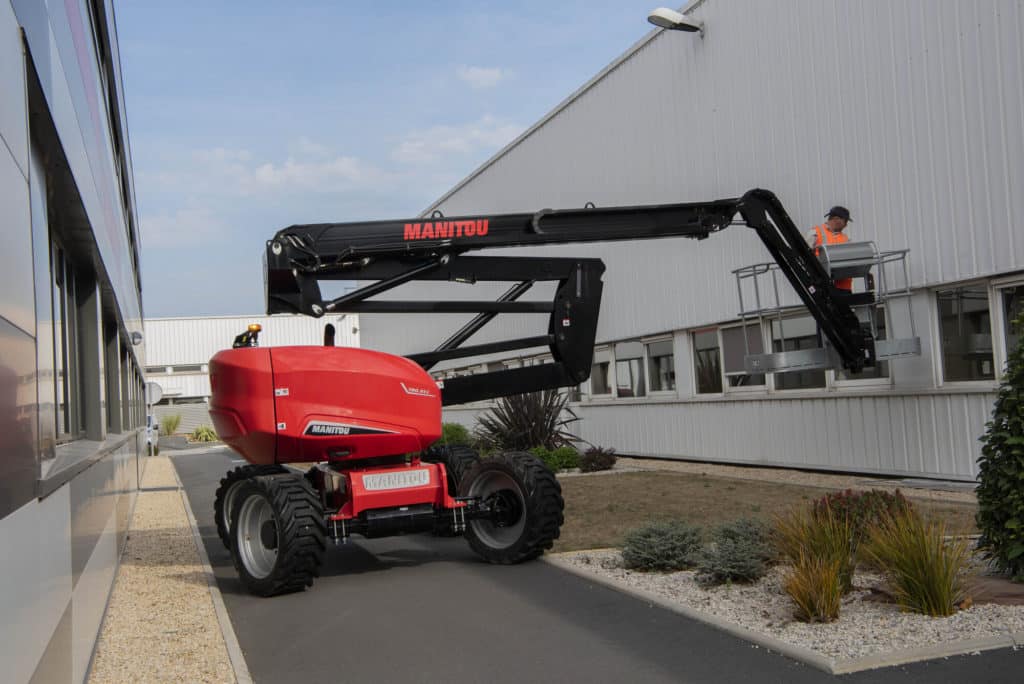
[156, 369]
[629, 370]
[65, 346]
[737, 343]
[796, 334]
[1012, 301]
[187, 368]
[599, 380]
[880, 371]
[965, 329]
[661, 365]
[707, 360]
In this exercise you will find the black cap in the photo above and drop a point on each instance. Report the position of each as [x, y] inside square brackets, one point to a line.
[840, 212]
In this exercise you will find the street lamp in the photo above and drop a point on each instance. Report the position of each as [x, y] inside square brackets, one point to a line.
[672, 20]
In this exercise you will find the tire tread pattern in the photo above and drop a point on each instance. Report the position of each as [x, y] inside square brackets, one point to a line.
[302, 535]
[545, 507]
[457, 460]
[232, 479]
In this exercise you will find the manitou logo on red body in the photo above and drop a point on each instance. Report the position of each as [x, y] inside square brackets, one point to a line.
[433, 230]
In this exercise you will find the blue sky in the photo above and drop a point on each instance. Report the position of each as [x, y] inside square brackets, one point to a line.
[248, 117]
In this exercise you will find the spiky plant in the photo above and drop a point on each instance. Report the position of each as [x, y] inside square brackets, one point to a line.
[522, 421]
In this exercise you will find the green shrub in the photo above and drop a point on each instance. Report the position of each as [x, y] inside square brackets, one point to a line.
[597, 458]
[822, 535]
[454, 434]
[926, 571]
[562, 458]
[169, 423]
[669, 545]
[740, 551]
[816, 586]
[863, 509]
[1001, 471]
[522, 421]
[203, 433]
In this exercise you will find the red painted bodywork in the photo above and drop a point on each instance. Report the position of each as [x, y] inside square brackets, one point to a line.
[361, 499]
[265, 403]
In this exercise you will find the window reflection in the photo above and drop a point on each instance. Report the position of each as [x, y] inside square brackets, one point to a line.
[966, 332]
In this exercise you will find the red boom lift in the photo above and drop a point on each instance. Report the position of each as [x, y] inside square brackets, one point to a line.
[367, 419]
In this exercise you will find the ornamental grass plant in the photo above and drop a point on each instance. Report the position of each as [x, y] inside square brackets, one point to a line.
[203, 433]
[816, 587]
[805, 535]
[169, 423]
[926, 570]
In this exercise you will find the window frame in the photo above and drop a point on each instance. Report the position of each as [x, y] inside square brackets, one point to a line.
[727, 387]
[614, 369]
[999, 322]
[68, 421]
[693, 358]
[610, 374]
[938, 349]
[834, 381]
[647, 342]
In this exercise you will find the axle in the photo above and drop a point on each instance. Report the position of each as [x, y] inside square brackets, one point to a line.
[388, 522]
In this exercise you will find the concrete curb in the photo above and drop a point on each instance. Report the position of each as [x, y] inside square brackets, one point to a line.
[804, 655]
[799, 653]
[912, 655]
[234, 650]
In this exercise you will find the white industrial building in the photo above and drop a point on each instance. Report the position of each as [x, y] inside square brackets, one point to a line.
[178, 352]
[911, 114]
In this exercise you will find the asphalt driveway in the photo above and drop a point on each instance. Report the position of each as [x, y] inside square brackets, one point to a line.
[424, 609]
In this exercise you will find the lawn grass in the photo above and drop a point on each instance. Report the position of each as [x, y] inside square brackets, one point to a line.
[600, 510]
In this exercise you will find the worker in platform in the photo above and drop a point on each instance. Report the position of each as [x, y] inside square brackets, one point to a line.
[831, 233]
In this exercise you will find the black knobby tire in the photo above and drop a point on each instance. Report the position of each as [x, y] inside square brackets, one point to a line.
[225, 492]
[278, 534]
[530, 497]
[457, 460]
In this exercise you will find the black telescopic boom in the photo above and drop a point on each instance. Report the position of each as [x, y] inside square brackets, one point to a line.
[390, 253]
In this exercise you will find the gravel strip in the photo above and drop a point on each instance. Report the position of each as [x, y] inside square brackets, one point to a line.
[864, 628]
[160, 624]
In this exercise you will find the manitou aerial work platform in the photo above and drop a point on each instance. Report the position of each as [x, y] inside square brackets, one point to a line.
[368, 419]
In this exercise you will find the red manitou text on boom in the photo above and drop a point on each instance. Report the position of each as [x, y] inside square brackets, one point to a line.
[434, 230]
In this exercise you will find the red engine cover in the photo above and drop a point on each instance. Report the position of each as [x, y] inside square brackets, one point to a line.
[302, 404]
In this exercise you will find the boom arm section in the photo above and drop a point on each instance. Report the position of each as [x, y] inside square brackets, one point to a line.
[391, 253]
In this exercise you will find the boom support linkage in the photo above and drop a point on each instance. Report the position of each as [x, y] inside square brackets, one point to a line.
[391, 253]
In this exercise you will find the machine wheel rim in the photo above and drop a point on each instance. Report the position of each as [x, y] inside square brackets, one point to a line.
[502, 489]
[255, 518]
[229, 505]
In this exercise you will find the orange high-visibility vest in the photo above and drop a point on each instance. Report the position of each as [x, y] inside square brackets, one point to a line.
[827, 237]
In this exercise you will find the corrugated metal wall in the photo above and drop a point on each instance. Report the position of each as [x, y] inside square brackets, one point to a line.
[177, 341]
[192, 416]
[933, 435]
[910, 113]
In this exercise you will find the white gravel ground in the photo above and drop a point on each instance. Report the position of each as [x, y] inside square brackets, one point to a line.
[160, 625]
[864, 628]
